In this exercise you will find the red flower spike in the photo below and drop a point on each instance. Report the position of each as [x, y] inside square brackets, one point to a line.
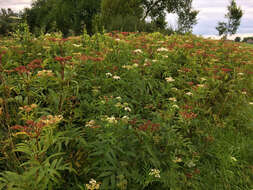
[226, 70]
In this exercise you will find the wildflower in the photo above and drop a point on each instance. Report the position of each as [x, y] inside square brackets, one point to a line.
[233, 158]
[226, 70]
[44, 73]
[177, 160]
[138, 51]
[200, 85]
[77, 45]
[125, 117]
[175, 106]
[162, 49]
[135, 65]
[189, 93]
[155, 173]
[28, 108]
[116, 77]
[92, 185]
[169, 79]
[108, 74]
[250, 103]
[50, 120]
[63, 59]
[173, 99]
[118, 98]
[127, 109]
[188, 115]
[111, 119]
[191, 164]
[90, 123]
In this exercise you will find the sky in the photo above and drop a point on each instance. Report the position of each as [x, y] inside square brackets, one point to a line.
[211, 12]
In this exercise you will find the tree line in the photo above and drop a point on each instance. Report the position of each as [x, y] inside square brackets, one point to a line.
[71, 16]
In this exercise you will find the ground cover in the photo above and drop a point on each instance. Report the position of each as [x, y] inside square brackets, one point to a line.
[125, 111]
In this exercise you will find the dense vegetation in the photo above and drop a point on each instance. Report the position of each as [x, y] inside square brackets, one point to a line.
[125, 111]
[71, 16]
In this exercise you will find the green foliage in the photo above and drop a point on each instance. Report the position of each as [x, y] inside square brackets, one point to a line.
[65, 15]
[237, 39]
[123, 111]
[8, 21]
[70, 17]
[234, 16]
[187, 17]
[247, 38]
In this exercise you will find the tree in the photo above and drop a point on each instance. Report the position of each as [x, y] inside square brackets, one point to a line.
[8, 21]
[234, 16]
[247, 38]
[121, 15]
[187, 17]
[153, 10]
[237, 39]
[67, 16]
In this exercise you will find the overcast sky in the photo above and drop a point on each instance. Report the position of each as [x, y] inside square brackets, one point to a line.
[211, 12]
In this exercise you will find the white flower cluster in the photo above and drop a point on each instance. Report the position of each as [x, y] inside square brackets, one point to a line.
[189, 93]
[162, 49]
[155, 173]
[138, 51]
[90, 123]
[77, 45]
[173, 99]
[44, 73]
[124, 106]
[111, 119]
[92, 185]
[169, 79]
[50, 120]
[114, 77]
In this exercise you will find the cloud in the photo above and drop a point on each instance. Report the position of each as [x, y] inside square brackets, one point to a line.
[16, 5]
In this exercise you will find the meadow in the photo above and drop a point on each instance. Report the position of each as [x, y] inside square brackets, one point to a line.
[125, 111]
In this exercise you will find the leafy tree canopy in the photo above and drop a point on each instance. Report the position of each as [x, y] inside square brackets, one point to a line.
[233, 16]
[8, 21]
[70, 16]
